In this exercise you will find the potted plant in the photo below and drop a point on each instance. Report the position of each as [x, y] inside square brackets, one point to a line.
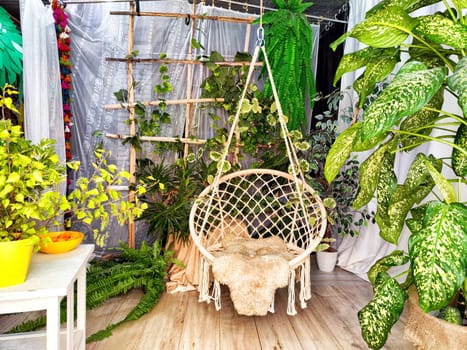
[29, 199]
[400, 119]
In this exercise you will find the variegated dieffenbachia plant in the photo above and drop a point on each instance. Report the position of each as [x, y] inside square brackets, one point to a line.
[403, 116]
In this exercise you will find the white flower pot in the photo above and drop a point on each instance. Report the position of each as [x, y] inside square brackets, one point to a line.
[326, 260]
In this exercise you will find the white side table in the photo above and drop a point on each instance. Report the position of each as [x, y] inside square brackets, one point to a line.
[51, 277]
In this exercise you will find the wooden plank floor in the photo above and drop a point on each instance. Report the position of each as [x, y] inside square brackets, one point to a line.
[180, 322]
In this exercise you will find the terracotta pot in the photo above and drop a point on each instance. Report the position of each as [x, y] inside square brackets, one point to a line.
[15, 258]
[428, 332]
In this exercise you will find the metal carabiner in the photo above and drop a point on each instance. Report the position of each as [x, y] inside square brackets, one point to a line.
[260, 36]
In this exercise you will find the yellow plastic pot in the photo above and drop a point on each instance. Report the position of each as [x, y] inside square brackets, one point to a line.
[15, 258]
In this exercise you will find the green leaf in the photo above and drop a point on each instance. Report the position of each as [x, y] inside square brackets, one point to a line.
[410, 90]
[458, 81]
[387, 185]
[386, 28]
[358, 59]
[445, 187]
[375, 72]
[369, 176]
[418, 122]
[418, 184]
[442, 30]
[438, 253]
[379, 315]
[458, 158]
[396, 258]
[339, 152]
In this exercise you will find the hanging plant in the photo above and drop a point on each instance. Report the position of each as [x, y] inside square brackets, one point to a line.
[288, 43]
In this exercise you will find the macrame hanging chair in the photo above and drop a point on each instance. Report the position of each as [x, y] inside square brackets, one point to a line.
[268, 220]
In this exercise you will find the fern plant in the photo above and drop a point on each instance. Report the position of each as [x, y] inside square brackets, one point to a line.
[399, 119]
[143, 268]
[289, 43]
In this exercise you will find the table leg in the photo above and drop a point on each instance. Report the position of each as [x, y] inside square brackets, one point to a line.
[81, 306]
[70, 317]
[53, 323]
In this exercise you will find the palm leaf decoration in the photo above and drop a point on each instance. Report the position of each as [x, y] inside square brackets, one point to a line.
[11, 51]
[288, 44]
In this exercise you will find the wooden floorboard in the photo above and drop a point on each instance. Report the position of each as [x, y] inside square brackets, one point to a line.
[180, 322]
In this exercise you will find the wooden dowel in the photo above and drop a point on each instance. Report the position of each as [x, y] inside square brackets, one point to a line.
[184, 15]
[131, 110]
[168, 102]
[175, 61]
[183, 140]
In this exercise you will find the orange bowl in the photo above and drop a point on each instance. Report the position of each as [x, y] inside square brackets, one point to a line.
[61, 242]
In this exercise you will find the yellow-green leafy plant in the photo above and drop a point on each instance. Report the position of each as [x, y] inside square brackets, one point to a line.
[30, 175]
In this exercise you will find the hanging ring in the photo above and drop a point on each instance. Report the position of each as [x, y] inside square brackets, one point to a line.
[260, 36]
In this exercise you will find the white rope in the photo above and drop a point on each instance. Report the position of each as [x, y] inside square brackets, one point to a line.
[307, 293]
[302, 286]
[204, 281]
[271, 307]
[216, 292]
[291, 311]
[292, 155]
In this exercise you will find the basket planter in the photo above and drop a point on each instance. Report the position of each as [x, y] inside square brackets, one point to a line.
[326, 260]
[15, 258]
[428, 332]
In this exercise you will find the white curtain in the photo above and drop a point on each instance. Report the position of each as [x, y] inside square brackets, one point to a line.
[358, 254]
[96, 35]
[43, 112]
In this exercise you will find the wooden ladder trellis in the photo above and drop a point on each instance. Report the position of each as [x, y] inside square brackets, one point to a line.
[187, 139]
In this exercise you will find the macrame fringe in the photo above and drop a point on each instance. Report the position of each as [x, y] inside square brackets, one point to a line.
[203, 286]
[291, 311]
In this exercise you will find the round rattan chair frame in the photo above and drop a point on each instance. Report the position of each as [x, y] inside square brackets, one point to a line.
[264, 201]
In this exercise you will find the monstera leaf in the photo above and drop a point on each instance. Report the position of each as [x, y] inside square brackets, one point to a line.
[379, 315]
[438, 251]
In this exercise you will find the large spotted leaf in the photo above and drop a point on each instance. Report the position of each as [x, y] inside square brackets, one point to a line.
[418, 184]
[458, 82]
[396, 258]
[339, 152]
[410, 90]
[379, 63]
[379, 315]
[375, 71]
[421, 123]
[388, 27]
[387, 185]
[444, 186]
[408, 5]
[358, 59]
[369, 176]
[440, 29]
[438, 251]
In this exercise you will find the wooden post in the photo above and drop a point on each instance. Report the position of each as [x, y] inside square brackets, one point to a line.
[131, 110]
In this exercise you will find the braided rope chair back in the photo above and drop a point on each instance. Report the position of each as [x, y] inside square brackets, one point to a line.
[264, 201]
